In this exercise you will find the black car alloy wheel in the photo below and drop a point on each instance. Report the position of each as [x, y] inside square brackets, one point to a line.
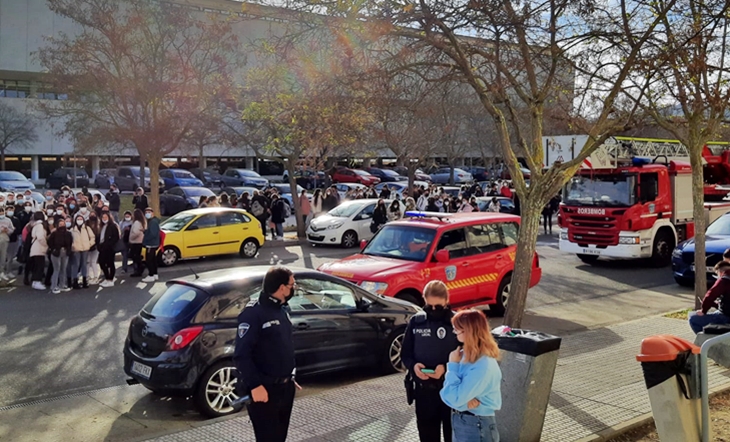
[394, 362]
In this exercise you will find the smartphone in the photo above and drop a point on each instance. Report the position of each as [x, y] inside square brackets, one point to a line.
[427, 371]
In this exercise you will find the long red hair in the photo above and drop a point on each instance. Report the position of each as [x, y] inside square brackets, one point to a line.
[478, 339]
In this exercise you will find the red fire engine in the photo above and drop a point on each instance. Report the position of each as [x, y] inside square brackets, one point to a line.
[634, 200]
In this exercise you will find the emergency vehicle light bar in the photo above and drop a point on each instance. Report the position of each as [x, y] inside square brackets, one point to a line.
[439, 215]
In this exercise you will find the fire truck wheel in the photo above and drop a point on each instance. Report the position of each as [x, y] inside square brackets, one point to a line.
[661, 253]
[588, 259]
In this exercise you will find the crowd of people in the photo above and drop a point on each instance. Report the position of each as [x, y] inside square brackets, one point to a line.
[70, 241]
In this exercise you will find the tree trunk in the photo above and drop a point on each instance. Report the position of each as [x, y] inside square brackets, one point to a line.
[2, 159]
[698, 212]
[154, 199]
[142, 161]
[301, 234]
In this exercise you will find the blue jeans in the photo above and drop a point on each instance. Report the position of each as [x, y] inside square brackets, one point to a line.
[470, 428]
[78, 264]
[697, 322]
[279, 229]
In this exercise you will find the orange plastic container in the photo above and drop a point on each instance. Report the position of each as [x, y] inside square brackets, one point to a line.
[661, 348]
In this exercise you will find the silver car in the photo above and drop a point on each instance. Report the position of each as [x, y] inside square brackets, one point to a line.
[443, 175]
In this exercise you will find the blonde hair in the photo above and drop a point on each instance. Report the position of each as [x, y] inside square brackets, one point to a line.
[437, 289]
[478, 339]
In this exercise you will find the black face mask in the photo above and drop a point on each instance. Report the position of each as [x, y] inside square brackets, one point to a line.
[290, 295]
[436, 311]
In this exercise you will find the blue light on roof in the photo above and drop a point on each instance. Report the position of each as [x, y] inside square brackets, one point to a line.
[640, 161]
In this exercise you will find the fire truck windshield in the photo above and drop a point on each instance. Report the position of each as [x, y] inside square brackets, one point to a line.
[600, 190]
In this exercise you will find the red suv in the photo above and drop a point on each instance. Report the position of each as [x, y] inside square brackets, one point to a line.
[343, 175]
[473, 253]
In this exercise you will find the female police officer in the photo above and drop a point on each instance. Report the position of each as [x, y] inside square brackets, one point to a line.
[428, 341]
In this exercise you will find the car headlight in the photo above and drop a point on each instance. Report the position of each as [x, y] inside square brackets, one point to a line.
[335, 226]
[628, 240]
[564, 236]
[677, 253]
[374, 287]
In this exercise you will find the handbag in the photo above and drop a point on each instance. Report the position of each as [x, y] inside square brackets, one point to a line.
[120, 245]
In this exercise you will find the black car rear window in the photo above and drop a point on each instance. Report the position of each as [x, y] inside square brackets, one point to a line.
[177, 302]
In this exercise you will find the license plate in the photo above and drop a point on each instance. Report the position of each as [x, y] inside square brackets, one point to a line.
[143, 370]
[591, 252]
[707, 269]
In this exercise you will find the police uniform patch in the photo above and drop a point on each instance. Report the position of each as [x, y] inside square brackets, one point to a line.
[450, 273]
[441, 332]
[242, 329]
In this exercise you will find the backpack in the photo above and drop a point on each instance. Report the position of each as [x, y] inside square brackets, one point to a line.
[257, 209]
[287, 210]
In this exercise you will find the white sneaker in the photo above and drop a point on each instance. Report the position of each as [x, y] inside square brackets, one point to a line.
[55, 291]
[157, 277]
[4, 276]
[66, 289]
[106, 283]
[149, 278]
[38, 285]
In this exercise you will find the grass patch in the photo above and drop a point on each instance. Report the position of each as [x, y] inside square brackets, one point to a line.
[681, 314]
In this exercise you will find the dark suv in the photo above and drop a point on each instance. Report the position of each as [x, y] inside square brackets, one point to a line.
[182, 341]
[65, 177]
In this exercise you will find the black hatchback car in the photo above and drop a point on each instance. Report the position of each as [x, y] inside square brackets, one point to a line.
[182, 341]
[65, 177]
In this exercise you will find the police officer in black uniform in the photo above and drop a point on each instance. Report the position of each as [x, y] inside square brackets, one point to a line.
[264, 357]
[427, 343]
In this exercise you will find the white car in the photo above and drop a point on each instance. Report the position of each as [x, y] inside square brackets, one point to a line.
[343, 188]
[346, 224]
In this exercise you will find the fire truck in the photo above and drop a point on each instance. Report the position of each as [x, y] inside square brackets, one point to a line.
[633, 199]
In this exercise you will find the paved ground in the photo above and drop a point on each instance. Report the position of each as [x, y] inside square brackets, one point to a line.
[598, 384]
[70, 344]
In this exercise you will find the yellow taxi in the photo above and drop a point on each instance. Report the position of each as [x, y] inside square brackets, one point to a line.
[210, 231]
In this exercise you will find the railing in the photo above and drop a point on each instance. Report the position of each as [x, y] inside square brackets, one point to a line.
[704, 383]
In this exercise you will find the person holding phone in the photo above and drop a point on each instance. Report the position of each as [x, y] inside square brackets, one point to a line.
[472, 381]
[428, 341]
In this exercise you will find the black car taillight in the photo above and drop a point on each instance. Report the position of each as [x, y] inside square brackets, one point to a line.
[182, 338]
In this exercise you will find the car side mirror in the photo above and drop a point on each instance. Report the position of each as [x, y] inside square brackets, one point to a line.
[442, 256]
[363, 244]
[363, 304]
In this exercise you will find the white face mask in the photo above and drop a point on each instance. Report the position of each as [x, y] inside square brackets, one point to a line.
[27, 197]
[82, 210]
[11, 213]
[148, 215]
[65, 193]
[49, 212]
[127, 218]
[59, 212]
[79, 222]
[28, 208]
[68, 224]
[105, 221]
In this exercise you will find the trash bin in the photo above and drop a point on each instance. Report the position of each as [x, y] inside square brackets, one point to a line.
[671, 373]
[528, 366]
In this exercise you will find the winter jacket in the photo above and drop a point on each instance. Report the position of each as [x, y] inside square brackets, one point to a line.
[39, 240]
[304, 205]
[277, 211]
[136, 234]
[114, 201]
[6, 224]
[83, 238]
[140, 202]
[108, 237]
[60, 239]
[152, 233]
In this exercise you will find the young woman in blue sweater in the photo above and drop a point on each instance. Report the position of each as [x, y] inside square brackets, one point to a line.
[472, 381]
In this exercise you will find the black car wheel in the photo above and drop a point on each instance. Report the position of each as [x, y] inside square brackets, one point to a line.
[349, 239]
[588, 259]
[216, 390]
[661, 255]
[169, 256]
[393, 362]
[249, 248]
[500, 306]
[684, 282]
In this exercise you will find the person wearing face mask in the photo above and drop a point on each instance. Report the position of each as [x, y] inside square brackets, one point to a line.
[114, 202]
[49, 201]
[140, 199]
[151, 243]
[136, 236]
[94, 271]
[84, 211]
[27, 198]
[11, 200]
[6, 229]
[264, 356]
[71, 206]
[125, 227]
[83, 240]
[2, 200]
[108, 239]
[428, 341]
[59, 246]
[38, 240]
[13, 243]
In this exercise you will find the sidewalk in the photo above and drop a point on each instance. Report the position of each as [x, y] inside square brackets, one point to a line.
[598, 388]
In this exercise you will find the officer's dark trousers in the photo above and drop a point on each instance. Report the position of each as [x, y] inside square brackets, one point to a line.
[432, 415]
[271, 419]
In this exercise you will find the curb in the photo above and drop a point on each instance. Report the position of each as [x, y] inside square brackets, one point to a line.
[192, 426]
[632, 424]
[269, 244]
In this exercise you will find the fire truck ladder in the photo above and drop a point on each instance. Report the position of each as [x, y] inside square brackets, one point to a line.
[615, 149]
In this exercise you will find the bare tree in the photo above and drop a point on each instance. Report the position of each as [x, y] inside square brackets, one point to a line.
[139, 73]
[518, 58]
[16, 130]
[683, 84]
